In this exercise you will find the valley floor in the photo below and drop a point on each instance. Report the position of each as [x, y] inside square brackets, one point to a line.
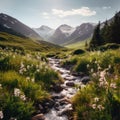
[61, 87]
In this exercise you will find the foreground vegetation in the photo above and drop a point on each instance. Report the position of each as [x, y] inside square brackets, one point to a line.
[25, 79]
[100, 98]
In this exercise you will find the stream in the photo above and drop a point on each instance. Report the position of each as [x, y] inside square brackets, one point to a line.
[63, 105]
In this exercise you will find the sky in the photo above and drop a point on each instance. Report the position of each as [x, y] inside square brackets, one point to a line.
[53, 13]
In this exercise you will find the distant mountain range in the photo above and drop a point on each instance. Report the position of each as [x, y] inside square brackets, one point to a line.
[63, 35]
[16, 35]
[13, 24]
[44, 31]
[66, 34]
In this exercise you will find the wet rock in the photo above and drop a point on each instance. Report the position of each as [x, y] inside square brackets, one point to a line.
[85, 79]
[57, 88]
[78, 74]
[49, 103]
[71, 84]
[54, 97]
[56, 106]
[65, 100]
[40, 107]
[38, 117]
[66, 111]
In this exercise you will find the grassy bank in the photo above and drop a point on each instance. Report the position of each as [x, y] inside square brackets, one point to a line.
[25, 79]
[100, 99]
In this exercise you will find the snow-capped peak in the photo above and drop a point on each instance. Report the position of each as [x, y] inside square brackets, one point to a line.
[66, 29]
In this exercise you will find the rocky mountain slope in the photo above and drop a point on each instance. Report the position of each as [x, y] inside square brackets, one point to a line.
[11, 23]
[44, 31]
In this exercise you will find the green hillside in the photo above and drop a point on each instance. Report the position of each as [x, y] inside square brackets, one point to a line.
[22, 43]
[80, 44]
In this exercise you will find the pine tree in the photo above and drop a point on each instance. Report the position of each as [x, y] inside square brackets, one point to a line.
[96, 39]
[105, 33]
[115, 29]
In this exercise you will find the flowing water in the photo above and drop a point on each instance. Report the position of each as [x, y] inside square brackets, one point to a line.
[62, 99]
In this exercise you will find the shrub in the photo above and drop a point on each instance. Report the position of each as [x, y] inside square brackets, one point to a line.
[13, 107]
[47, 77]
[82, 66]
[78, 51]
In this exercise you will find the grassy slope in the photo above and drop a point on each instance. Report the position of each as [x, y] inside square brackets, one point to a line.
[80, 44]
[8, 40]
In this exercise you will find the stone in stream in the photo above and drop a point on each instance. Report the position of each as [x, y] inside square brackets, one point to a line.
[64, 101]
[54, 97]
[57, 88]
[85, 79]
[78, 74]
[38, 117]
[40, 107]
[70, 84]
[66, 111]
[56, 106]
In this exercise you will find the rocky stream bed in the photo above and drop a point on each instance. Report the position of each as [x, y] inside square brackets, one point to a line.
[60, 106]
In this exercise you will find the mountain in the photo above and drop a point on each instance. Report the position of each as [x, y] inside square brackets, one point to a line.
[82, 32]
[61, 34]
[109, 21]
[44, 31]
[66, 34]
[13, 24]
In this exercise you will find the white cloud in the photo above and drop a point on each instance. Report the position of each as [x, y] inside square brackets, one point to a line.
[83, 11]
[46, 15]
[106, 7]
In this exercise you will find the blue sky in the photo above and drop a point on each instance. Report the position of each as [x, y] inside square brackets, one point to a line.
[53, 13]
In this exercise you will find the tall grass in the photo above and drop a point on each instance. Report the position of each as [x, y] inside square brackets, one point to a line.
[25, 79]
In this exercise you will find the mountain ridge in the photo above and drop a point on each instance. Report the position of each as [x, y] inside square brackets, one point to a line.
[14, 24]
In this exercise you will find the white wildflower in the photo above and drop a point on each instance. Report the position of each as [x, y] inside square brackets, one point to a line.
[91, 70]
[0, 86]
[27, 78]
[1, 115]
[22, 97]
[28, 66]
[38, 70]
[94, 106]
[94, 75]
[17, 92]
[113, 85]
[96, 99]
[100, 107]
[22, 65]
[109, 66]
[96, 62]
[33, 80]
[88, 65]
[101, 79]
[24, 69]
[102, 74]
[83, 86]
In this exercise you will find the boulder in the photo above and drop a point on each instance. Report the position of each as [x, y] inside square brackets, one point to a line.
[57, 88]
[70, 84]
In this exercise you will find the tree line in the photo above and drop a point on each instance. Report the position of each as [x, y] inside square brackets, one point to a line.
[109, 32]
